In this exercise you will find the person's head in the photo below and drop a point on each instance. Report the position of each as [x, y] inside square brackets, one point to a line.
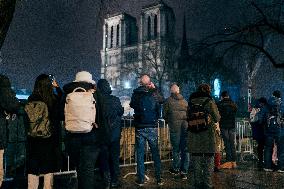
[277, 94]
[224, 94]
[205, 88]
[4, 82]
[104, 86]
[262, 101]
[145, 80]
[174, 89]
[84, 76]
[43, 88]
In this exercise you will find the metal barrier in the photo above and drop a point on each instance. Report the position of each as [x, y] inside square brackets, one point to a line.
[243, 139]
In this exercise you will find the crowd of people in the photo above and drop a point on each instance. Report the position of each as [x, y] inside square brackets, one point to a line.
[92, 119]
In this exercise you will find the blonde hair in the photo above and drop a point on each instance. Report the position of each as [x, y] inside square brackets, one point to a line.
[145, 80]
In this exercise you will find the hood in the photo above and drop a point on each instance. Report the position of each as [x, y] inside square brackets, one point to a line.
[4, 82]
[104, 86]
[199, 94]
[177, 96]
[68, 88]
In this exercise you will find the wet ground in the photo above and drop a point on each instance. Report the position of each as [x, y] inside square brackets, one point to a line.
[246, 176]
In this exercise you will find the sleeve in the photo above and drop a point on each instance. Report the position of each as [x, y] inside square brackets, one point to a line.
[213, 111]
[120, 109]
[166, 111]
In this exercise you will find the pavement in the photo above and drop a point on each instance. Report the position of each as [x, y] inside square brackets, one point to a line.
[246, 176]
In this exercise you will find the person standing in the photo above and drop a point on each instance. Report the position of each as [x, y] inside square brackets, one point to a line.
[110, 152]
[84, 147]
[203, 117]
[9, 105]
[175, 108]
[228, 109]
[146, 101]
[274, 133]
[43, 132]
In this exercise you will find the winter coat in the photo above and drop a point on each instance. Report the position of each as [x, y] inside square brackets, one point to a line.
[205, 141]
[97, 135]
[113, 110]
[259, 126]
[44, 154]
[9, 104]
[274, 105]
[227, 109]
[174, 111]
[148, 116]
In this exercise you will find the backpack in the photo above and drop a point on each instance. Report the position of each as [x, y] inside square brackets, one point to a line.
[80, 111]
[254, 117]
[39, 124]
[198, 117]
[148, 109]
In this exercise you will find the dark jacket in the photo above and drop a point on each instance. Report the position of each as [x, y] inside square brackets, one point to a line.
[274, 125]
[227, 109]
[97, 135]
[113, 109]
[9, 104]
[175, 108]
[205, 141]
[44, 154]
[259, 126]
[148, 116]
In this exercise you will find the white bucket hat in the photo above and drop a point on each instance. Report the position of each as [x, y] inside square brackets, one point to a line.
[85, 77]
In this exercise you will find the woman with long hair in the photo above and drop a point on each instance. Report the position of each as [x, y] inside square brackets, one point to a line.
[43, 147]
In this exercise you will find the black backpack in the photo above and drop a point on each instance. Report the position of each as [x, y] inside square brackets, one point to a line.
[198, 117]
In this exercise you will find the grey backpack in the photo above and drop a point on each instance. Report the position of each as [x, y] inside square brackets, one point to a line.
[39, 124]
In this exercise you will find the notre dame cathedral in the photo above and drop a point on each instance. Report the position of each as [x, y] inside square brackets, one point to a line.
[129, 50]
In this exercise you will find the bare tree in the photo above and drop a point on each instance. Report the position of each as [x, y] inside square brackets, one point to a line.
[7, 8]
[267, 24]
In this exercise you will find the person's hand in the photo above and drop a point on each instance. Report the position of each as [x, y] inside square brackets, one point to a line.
[55, 84]
[151, 85]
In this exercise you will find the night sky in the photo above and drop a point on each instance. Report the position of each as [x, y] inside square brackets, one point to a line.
[65, 36]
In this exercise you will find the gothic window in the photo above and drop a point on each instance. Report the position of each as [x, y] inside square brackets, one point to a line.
[149, 28]
[117, 35]
[111, 37]
[155, 26]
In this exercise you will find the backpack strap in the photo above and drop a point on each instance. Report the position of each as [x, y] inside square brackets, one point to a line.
[205, 102]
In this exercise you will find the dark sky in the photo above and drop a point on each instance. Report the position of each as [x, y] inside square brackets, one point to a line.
[65, 36]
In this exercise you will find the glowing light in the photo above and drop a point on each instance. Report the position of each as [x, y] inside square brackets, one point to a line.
[127, 85]
[217, 87]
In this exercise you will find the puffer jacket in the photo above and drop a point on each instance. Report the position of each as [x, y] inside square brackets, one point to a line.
[205, 141]
[227, 109]
[113, 109]
[9, 104]
[97, 135]
[148, 117]
[175, 110]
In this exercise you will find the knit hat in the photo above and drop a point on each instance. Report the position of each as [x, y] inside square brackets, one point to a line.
[84, 76]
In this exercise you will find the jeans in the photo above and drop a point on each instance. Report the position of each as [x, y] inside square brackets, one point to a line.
[203, 167]
[180, 150]
[84, 158]
[268, 150]
[228, 136]
[151, 135]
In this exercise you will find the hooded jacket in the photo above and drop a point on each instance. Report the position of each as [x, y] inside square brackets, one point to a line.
[228, 110]
[113, 109]
[175, 109]
[8, 104]
[205, 141]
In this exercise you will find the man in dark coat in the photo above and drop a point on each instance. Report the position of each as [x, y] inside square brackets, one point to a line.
[175, 109]
[83, 148]
[228, 109]
[110, 152]
[145, 102]
[9, 105]
[203, 145]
